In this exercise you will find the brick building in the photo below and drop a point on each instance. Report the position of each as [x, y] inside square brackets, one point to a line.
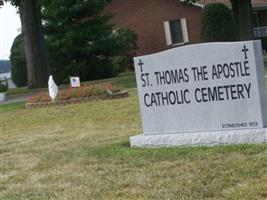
[163, 24]
[152, 21]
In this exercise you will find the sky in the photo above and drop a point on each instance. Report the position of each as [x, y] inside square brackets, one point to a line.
[10, 27]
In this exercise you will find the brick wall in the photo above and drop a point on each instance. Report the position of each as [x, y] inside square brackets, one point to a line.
[146, 17]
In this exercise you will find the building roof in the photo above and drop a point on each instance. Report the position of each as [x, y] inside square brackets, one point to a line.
[255, 3]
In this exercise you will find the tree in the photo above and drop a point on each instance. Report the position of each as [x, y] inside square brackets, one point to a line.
[217, 23]
[18, 62]
[242, 11]
[127, 44]
[80, 39]
[36, 56]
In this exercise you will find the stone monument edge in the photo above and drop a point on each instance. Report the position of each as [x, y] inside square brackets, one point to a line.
[211, 138]
[261, 80]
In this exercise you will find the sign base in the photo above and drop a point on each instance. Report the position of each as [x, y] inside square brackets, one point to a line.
[245, 136]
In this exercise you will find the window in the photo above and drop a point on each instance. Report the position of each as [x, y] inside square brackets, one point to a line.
[176, 32]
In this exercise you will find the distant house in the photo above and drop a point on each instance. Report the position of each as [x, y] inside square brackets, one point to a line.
[260, 19]
[5, 73]
[163, 24]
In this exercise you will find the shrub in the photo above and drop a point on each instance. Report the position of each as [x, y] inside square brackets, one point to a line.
[3, 88]
[217, 23]
[18, 62]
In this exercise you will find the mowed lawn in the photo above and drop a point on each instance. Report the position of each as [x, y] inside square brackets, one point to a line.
[82, 152]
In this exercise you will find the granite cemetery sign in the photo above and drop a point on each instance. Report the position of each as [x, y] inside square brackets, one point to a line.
[208, 93]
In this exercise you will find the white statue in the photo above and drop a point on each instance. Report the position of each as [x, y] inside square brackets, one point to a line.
[52, 88]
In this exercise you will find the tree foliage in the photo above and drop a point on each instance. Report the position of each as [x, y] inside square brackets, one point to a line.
[81, 41]
[242, 10]
[13, 2]
[18, 62]
[217, 23]
[127, 43]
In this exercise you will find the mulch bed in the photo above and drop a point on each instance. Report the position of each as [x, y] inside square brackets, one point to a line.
[117, 95]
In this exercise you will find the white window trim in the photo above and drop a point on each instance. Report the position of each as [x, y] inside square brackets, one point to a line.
[184, 30]
[168, 33]
[178, 44]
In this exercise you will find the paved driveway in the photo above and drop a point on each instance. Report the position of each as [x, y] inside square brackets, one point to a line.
[16, 98]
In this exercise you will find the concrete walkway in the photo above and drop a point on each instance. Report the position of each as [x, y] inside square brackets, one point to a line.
[16, 98]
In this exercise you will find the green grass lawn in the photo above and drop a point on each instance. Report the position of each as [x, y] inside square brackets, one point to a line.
[23, 90]
[82, 152]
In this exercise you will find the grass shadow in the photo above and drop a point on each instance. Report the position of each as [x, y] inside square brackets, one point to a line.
[123, 151]
[12, 106]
